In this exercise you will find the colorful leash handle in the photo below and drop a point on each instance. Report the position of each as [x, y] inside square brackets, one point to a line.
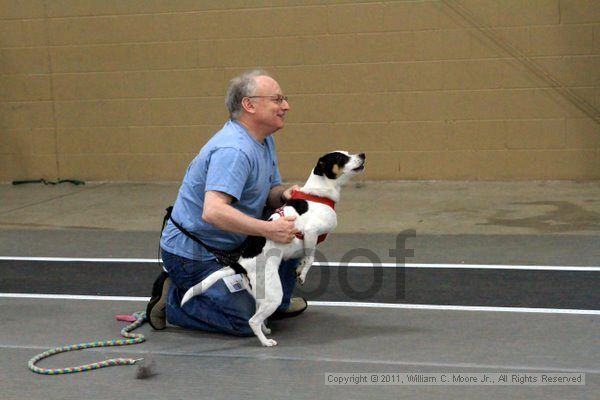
[130, 338]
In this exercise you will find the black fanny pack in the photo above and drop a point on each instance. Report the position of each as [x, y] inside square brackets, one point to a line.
[224, 257]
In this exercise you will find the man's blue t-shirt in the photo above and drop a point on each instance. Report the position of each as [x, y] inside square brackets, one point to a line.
[232, 162]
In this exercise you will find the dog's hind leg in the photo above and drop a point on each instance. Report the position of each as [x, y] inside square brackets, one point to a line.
[265, 330]
[267, 303]
[257, 322]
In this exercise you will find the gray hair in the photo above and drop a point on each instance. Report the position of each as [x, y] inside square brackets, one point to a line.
[241, 86]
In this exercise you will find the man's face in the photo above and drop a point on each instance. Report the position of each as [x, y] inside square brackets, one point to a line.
[270, 110]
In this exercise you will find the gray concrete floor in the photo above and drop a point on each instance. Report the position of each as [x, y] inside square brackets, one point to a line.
[527, 223]
[195, 365]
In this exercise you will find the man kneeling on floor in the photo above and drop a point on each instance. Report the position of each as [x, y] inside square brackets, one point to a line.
[220, 202]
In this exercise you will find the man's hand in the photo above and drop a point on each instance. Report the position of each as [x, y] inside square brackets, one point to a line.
[287, 194]
[219, 212]
[282, 230]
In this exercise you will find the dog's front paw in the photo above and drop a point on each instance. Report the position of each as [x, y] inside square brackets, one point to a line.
[302, 270]
[299, 277]
[302, 277]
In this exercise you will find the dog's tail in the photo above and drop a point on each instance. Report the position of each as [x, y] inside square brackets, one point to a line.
[210, 280]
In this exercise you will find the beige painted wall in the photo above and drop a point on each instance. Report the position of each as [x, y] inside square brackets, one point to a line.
[129, 90]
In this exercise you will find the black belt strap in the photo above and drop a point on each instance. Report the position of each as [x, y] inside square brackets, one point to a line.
[228, 258]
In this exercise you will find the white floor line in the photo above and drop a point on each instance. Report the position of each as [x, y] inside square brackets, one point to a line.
[262, 356]
[37, 296]
[454, 308]
[80, 259]
[434, 307]
[465, 266]
[335, 264]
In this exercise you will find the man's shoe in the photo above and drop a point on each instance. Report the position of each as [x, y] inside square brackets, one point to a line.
[155, 311]
[296, 307]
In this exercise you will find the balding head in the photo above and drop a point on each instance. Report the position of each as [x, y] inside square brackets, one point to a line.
[241, 86]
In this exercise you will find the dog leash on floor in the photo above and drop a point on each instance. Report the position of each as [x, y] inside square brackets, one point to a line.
[130, 338]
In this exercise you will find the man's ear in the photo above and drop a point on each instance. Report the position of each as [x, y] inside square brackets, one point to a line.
[248, 105]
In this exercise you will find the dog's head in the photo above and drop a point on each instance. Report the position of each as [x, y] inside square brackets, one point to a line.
[340, 166]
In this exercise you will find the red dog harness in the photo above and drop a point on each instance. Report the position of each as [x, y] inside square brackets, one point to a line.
[296, 194]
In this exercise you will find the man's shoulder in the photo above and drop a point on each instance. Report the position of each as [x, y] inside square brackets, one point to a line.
[225, 139]
[230, 136]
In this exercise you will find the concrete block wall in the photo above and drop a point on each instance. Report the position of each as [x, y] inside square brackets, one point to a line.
[129, 90]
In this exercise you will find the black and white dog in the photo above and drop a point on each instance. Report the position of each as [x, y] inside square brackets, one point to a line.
[313, 207]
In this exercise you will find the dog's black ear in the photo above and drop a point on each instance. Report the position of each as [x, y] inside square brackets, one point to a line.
[330, 164]
[320, 167]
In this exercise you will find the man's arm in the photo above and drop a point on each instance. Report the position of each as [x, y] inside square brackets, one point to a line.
[219, 212]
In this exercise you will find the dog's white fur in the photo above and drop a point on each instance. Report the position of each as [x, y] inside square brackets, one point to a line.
[319, 219]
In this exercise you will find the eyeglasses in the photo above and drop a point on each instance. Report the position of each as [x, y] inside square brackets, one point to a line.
[276, 98]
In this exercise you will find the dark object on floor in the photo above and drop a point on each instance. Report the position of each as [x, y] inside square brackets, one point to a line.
[46, 182]
[146, 368]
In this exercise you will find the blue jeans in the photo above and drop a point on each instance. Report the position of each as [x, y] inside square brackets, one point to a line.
[217, 309]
